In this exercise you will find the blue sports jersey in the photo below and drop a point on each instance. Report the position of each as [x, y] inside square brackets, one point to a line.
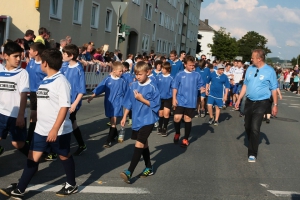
[217, 85]
[128, 77]
[36, 75]
[155, 73]
[115, 89]
[176, 67]
[142, 114]
[187, 85]
[260, 83]
[132, 68]
[205, 73]
[164, 84]
[153, 79]
[75, 76]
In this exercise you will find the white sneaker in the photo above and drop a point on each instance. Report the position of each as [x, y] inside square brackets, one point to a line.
[156, 124]
[251, 159]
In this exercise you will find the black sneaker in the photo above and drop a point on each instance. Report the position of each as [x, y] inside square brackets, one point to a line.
[1, 150]
[202, 113]
[159, 131]
[16, 194]
[211, 120]
[66, 190]
[268, 121]
[107, 144]
[79, 151]
[51, 157]
[164, 132]
[7, 191]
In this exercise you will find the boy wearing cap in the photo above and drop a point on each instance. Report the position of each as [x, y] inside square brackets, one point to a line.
[214, 91]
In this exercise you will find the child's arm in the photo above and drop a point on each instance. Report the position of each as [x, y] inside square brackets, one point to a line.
[140, 97]
[126, 112]
[98, 90]
[23, 102]
[279, 93]
[75, 103]
[175, 102]
[206, 89]
[59, 120]
[225, 95]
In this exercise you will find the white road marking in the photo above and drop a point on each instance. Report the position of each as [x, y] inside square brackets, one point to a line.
[283, 193]
[293, 106]
[264, 185]
[91, 189]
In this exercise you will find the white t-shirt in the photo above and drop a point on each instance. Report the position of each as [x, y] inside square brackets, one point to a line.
[54, 93]
[129, 61]
[237, 73]
[12, 84]
[288, 77]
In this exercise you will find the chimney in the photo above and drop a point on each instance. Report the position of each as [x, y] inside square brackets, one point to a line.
[206, 21]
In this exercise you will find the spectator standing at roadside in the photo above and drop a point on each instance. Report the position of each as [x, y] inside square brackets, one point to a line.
[28, 39]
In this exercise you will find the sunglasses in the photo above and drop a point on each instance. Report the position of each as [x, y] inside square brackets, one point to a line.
[255, 75]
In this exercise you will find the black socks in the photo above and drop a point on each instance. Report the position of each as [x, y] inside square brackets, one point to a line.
[69, 167]
[30, 168]
[135, 159]
[160, 122]
[177, 127]
[166, 121]
[78, 136]
[188, 128]
[146, 156]
[30, 132]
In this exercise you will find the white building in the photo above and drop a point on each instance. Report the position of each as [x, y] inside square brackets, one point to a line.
[206, 33]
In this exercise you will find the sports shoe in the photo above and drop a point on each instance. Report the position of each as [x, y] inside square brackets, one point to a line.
[129, 122]
[185, 143]
[79, 151]
[164, 132]
[159, 131]
[17, 194]
[251, 159]
[230, 104]
[224, 107]
[108, 124]
[1, 150]
[51, 157]
[156, 124]
[126, 176]
[7, 191]
[107, 144]
[211, 120]
[202, 113]
[66, 190]
[198, 114]
[176, 138]
[216, 123]
[147, 172]
[268, 121]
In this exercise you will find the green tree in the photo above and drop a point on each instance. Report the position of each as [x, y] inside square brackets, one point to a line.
[224, 46]
[250, 41]
[296, 60]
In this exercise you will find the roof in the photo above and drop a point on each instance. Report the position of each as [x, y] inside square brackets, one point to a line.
[203, 26]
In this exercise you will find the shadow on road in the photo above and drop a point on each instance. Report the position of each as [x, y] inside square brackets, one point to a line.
[262, 137]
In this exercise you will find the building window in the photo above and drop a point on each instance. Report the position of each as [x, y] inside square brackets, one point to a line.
[56, 9]
[78, 11]
[179, 29]
[154, 32]
[108, 20]
[173, 25]
[95, 15]
[145, 42]
[174, 3]
[137, 2]
[158, 45]
[181, 8]
[148, 11]
[161, 18]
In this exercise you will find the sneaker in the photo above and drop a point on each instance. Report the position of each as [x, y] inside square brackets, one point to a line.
[7, 191]
[51, 157]
[251, 159]
[108, 124]
[66, 190]
[159, 131]
[107, 145]
[185, 143]
[17, 194]
[202, 113]
[176, 137]
[126, 176]
[147, 172]
[198, 114]
[211, 120]
[242, 115]
[224, 107]
[156, 124]
[1, 150]
[216, 123]
[164, 132]
[79, 151]
[129, 122]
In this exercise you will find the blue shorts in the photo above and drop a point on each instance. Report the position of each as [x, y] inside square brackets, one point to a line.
[8, 125]
[203, 95]
[61, 146]
[235, 88]
[214, 101]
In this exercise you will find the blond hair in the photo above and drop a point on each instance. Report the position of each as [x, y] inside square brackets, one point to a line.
[141, 66]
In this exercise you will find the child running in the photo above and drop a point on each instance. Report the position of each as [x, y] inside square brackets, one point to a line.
[143, 99]
[164, 84]
[114, 87]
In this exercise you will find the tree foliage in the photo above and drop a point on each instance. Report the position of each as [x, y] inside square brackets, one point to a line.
[294, 60]
[250, 41]
[224, 46]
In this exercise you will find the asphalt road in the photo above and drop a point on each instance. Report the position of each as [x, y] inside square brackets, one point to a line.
[214, 166]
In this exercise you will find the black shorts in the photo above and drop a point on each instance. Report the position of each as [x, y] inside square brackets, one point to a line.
[33, 101]
[190, 112]
[165, 103]
[73, 116]
[142, 134]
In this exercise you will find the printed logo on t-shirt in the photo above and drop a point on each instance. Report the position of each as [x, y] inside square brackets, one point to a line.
[42, 93]
[6, 85]
[261, 77]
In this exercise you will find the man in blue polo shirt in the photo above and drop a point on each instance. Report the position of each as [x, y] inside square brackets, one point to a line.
[259, 84]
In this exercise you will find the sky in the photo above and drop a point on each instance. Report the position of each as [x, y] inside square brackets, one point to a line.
[277, 20]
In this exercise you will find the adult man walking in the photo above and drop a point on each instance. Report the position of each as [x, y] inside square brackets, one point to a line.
[259, 85]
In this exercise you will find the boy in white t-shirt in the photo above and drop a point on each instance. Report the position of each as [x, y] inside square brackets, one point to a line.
[14, 86]
[53, 128]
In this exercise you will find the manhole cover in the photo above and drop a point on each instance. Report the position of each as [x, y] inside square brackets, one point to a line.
[285, 119]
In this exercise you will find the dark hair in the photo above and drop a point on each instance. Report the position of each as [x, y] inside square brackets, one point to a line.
[158, 62]
[38, 46]
[126, 65]
[11, 48]
[188, 58]
[19, 41]
[210, 66]
[162, 58]
[139, 57]
[42, 30]
[149, 66]
[71, 50]
[53, 57]
[214, 61]
[167, 66]
[29, 32]
[173, 52]
[228, 64]
[201, 63]
[182, 51]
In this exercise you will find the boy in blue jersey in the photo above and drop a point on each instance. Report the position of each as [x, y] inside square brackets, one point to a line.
[164, 84]
[176, 64]
[14, 86]
[151, 76]
[114, 87]
[143, 99]
[53, 128]
[214, 91]
[75, 75]
[185, 91]
[157, 68]
[137, 59]
[36, 75]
